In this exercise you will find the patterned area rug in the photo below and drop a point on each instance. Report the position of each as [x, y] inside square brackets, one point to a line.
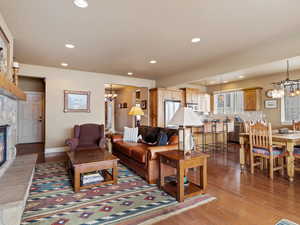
[132, 201]
[286, 222]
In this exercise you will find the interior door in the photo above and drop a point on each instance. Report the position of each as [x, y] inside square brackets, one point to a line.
[31, 118]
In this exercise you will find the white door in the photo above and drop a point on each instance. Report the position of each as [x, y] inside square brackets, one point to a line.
[31, 118]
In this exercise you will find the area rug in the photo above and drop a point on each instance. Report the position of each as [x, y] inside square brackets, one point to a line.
[132, 201]
[286, 222]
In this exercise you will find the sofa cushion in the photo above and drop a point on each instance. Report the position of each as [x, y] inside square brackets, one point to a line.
[123, 147]
[139, 152]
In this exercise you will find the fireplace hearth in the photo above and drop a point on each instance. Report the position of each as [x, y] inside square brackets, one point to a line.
[3, 144]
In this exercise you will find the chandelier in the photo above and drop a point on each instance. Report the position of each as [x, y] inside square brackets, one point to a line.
[109, 97]
[286, 87]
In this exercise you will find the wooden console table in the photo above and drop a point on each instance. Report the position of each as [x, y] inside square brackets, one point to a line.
[181, 163]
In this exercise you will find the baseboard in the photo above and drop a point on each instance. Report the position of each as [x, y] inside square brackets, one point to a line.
[56, 150]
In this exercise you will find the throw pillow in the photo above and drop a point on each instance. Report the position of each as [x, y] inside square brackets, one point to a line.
[162, 139]
[130, 134]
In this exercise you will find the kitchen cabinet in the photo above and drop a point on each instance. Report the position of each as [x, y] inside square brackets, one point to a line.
[253, 99]
[197, 98]
[158, 96]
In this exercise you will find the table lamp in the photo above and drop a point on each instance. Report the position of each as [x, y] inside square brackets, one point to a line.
[136, 111]
[185, 118]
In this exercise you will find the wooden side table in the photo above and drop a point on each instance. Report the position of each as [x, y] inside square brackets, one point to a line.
[181, 163]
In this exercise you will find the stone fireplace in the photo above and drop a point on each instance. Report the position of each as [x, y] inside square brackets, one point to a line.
[3, 144]
[8, 131]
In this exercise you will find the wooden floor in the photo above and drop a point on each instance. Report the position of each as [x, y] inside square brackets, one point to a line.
[242, 199]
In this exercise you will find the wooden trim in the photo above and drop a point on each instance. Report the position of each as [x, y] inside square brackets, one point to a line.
[254, 88]
[66, 101]
[10, 89]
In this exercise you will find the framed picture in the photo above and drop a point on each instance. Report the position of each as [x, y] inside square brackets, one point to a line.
[271, 104]
[4, 53]
[120, 105]
[124, 105]
[144, 104]
[77, 101]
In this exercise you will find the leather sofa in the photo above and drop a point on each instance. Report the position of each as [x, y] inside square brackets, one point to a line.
[87, 136]
[142, 157]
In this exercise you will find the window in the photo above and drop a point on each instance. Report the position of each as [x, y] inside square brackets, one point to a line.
[290, 108]
[231, 102]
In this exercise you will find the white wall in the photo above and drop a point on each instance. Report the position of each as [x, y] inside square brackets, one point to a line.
[59, 124]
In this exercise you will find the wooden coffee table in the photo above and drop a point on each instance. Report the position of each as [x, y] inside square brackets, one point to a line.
[177, 160]
[90, 160]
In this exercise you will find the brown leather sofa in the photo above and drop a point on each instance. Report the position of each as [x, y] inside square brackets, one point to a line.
[141, 157]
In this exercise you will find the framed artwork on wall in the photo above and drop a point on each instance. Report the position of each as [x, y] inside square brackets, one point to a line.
[125, 105]
[4, 53]
[77, 101]
[144, 104]
[271, 104]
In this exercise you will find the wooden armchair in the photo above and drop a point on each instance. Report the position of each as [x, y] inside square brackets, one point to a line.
[261, 147]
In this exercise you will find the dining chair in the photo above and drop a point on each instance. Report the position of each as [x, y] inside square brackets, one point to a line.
[261, 147]
[296, 127]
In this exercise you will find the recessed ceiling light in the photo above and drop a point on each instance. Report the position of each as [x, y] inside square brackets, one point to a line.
[241, 77]
[70, 46]
[225, 81]
[196, 40]
[153, 61]
[64, 64]
[81, 3]
[130, 73]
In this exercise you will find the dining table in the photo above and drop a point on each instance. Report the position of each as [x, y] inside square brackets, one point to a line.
[287, 141]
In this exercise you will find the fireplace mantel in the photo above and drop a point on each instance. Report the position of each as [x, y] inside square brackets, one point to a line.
[9, 89]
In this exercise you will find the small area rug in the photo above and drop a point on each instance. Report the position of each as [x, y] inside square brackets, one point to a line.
[132, 201]
[286, 222]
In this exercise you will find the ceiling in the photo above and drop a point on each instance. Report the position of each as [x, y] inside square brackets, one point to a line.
[260, 70]
[118, 37]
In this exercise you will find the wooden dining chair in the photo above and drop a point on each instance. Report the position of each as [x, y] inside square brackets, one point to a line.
[261, 147]
[296, 127]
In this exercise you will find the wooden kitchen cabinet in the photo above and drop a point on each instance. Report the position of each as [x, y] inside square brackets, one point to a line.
[197, 97]
[252, 99]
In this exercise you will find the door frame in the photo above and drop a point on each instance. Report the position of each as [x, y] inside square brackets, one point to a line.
[44, 116]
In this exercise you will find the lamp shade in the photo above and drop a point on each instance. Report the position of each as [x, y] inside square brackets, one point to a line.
[186, 117]
[136, 111]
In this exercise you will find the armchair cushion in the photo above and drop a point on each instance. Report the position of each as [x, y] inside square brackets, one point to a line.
[90, 134]
[87, 136]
